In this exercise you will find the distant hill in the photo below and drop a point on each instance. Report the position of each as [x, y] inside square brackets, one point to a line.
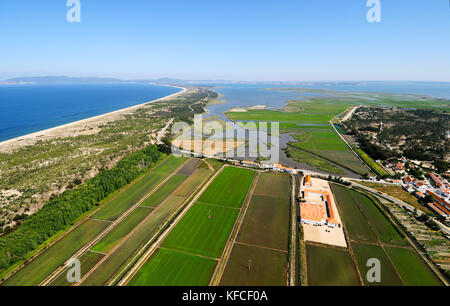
[61, 80]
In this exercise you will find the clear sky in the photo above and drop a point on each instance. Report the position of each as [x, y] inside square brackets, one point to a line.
[291, 40]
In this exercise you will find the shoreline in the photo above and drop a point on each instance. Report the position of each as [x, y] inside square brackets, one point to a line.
[7, 146]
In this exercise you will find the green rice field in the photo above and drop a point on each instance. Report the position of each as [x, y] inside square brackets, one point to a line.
[121, 230]
[159, 195]
[229, 188]
[39, 268]
[364, 252]
[362, 218]
[330, 267]
[172, 268]
[411, 268]
[251, 266]
[145, 230]
[260, 253]
[202, 233]
[140, 189]
[204, 230]
[372, 235]
[87, 261]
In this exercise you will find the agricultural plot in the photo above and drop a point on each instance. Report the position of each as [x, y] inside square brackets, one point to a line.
[204, 230]
[43, 265]
[251, 266]
[364, 252]
[145, 231]
[125, 200]
[172, 268]
[356, 225]
[260, 252]
[121, 230]
[158, 196]
[190, 167]
[87, 261]
[378, 222]
[266, 223]
[170, 165]
[273, 185]
[192, 182]
[229, 188]
[136, 192]
[330, 267]
[364, 222]
[201, 233]
[320, 164]
[412, 268]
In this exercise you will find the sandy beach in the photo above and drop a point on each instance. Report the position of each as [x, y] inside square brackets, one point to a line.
[86, 126]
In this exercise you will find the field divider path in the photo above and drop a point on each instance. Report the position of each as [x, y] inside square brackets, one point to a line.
[260, 247]
[293, 236]
[188, 253]
[82, 219]
[155, 245]
[111, 227]
[218, 272]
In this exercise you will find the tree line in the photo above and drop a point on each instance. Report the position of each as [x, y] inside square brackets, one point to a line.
[62, 211]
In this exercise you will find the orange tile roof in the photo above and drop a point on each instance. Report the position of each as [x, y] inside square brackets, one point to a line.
[313, 212]
[326, 194]
[436, 180]
[437, 210]
[438, 198]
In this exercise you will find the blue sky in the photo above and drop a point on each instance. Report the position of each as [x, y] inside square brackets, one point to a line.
[292, 40]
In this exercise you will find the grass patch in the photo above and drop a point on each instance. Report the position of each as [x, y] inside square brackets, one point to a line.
[87, 261]
[412, 269]
[364, 252]
[39, 268]
[266, 223]
[121, 230]
[330, 267]
[229, 188]
[128, 198]
[204, 230]
[355, 222]
[273, 185]
[170, 165]
[172, 268]
[267, 267]
[164, 191]
[312, 160]
[372, 164]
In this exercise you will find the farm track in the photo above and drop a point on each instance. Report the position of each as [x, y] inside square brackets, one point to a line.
[110, 228]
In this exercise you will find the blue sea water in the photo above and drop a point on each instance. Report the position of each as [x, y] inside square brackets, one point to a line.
[26, 109]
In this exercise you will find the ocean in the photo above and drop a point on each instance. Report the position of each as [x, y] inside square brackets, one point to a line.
[26, 109]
